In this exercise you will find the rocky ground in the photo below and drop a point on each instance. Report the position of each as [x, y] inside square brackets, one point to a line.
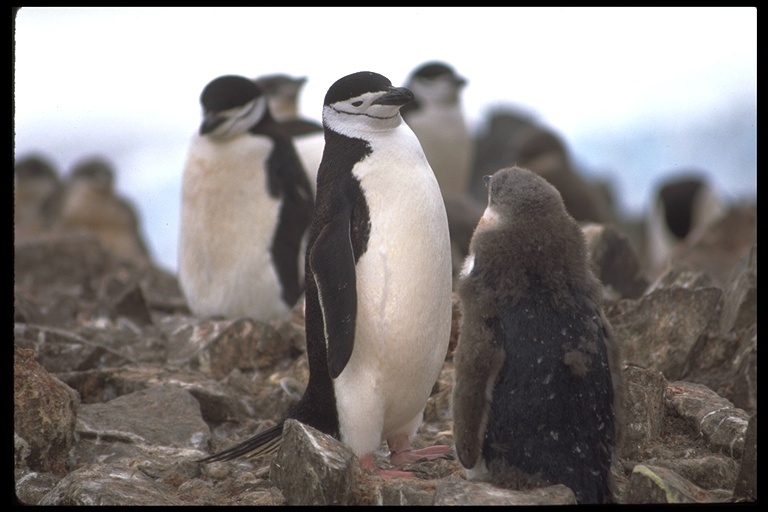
[118, 390]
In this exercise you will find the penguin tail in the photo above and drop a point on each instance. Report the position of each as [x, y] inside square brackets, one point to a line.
[263, 443]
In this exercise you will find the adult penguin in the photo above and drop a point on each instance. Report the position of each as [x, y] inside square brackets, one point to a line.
[378, 281]
[246, 205]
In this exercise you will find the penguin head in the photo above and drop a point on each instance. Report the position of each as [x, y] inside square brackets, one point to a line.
[35, 177]
[93, 172]
[516, 191]
[364, 101]
[231, 105]
[282, 91]
[436, 83]
[35, 168]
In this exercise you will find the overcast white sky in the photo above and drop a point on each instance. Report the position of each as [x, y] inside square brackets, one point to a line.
[125, 82]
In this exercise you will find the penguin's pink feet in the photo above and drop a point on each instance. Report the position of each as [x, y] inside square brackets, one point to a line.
[401, 452]
[367, 464]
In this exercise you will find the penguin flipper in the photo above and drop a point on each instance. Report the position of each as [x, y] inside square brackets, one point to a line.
[332, 263]
[478, 359]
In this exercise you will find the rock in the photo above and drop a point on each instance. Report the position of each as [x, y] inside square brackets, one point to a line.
[745, 488]
[661, 329]
[460, 492]
[723, 426]
[643, 410]
[137, 391]
[653, 484]
[159, 417]
[108, 485]
[312, 468]
[44, 414]
[31, 486]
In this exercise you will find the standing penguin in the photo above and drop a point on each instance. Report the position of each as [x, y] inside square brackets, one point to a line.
[88, 201]
[283, 94]
[437, 119]
[36, 183]
[378, 274]
[245, 207]
[537, 371]
[683, 203]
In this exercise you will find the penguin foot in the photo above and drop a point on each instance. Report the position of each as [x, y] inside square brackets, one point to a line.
[366, 462]
[439, 451]
[401, 452]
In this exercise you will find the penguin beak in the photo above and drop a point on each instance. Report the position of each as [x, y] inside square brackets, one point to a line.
[210, 123]
[487, 180]
[395, 96]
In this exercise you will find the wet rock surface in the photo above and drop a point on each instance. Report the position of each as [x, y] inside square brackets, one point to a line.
[119, 390]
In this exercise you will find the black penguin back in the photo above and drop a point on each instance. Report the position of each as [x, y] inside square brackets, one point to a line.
[551, 412]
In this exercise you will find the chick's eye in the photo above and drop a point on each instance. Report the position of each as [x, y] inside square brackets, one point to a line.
[357, 103]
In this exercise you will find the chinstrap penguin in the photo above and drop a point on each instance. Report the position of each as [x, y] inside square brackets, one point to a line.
[537, 391]
[283, 94]
[378, 281]
[436, 117]
[246, 205]
[682, 204]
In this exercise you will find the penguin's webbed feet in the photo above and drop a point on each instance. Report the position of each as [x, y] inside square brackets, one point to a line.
[367, 463]
[401, 452]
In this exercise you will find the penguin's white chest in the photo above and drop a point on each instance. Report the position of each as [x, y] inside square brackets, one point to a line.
[447, 144]
[403, 288]
[228, 221]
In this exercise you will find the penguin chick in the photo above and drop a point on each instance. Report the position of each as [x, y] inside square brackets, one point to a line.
[90, 203]
[437, 119]
[282, 92]
[537, 377]
[378, 245]
[245, 208]
[36, 182]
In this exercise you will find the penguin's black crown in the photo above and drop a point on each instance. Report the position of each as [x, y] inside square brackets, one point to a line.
[434, 69]
[356, 84]
[228, 91]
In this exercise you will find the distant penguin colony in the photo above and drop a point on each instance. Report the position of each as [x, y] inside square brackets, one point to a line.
[282, 92]
[89, 202]
[378, 281]
[246, 205]
[537, 392]
[437, 119]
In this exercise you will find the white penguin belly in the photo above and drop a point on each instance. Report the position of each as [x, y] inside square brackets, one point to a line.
[310, 149]
[227, 225]
[447, 145]
[404, 307]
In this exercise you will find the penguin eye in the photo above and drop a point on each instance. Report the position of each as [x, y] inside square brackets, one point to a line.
[357, 103]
